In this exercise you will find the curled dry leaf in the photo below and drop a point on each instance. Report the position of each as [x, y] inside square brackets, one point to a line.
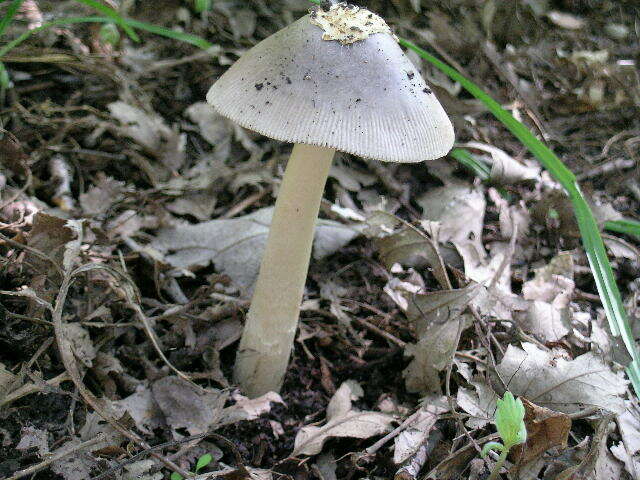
[566, 20]
[350, 178]
[249, 408]
[342, 421]
[545, 429]
[627, 450]
[551, 380]
[504, 168]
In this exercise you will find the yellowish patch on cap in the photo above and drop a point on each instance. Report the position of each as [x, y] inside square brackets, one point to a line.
[348, 23]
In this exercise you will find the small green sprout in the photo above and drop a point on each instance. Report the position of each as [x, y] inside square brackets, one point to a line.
[509, 421]
[202, 462]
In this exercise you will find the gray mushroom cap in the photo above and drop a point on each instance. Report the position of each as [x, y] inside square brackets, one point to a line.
[365, 98]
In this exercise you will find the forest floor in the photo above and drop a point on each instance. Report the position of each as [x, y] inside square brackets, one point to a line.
[132, 219]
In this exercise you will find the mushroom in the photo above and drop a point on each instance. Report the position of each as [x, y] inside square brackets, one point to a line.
[336, 79]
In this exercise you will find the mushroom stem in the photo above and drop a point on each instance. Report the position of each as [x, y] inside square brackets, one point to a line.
[272, 319]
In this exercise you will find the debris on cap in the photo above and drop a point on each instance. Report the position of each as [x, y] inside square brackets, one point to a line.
[348, 23]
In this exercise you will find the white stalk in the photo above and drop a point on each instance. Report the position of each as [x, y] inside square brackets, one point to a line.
[272, 319]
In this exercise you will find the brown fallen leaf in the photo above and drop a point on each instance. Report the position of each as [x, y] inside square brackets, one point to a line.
[545, 429]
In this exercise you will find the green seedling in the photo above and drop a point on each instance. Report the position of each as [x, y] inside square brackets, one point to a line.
[509, 420]
[202, 462]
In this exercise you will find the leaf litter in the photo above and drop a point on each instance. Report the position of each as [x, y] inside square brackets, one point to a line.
[424, 282]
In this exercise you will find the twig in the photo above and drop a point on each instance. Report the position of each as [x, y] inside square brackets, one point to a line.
[33, 388]
[612, 166]
[460, 451]
[31, 250]
[57, 455]
[381, 332]
[70, 365]
[244, 204]
[403, 426]
[172, 443]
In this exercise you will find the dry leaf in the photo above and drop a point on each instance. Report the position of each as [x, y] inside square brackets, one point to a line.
[416, 434]
[438, 318]
[249, 408]
[326, 467]
[7, 381]
[566, 20]
[545, 429]
[102, 195]
[549, 293]
[551, 380]
[81, 343]
[342, 421]
[214, 128]
[142, 470]
[73, 467]
[151, 132]
[185, 405]
[32, 437]
[459, 209]
[479, 404]
[504, 168]
[411, 248]
[142, 408]
[235, 246]
[440, 307]
[49, 235]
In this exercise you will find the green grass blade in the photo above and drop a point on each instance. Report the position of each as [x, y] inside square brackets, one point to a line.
[184, 37]
[592, 241]
[11, 12]
[113, 15]
[63, 21]
[630, 227]
[166, 32]
[522, 133]
[480, 169]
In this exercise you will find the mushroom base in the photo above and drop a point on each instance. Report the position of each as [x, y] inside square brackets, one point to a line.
[272, 319]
